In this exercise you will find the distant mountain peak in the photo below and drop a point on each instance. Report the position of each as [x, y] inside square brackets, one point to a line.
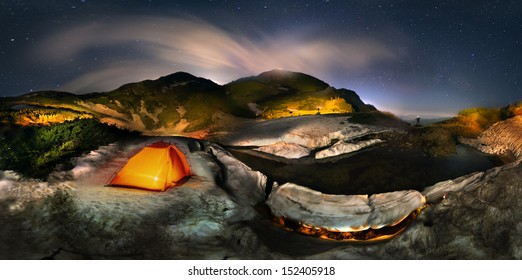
[278, 72]
[285, 76]
[178, 77]
[183, 77]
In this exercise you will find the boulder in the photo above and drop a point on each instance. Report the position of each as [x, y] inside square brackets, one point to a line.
[503, 137]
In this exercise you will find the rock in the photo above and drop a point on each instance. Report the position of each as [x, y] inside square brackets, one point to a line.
[342, 212]
[246, 185]
[341, 147]
[286, 150]
[486, 212]
[202, 229]
[438, 191]
[501, 137]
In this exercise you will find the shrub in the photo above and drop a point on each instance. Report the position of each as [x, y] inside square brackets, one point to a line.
[34, 151]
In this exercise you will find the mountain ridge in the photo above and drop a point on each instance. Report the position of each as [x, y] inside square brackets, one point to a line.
[181, 103]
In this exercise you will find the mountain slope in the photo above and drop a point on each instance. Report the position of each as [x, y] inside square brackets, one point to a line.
[181, 103]
[279, 93]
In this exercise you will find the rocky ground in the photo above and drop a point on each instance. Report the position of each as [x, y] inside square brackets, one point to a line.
[215, 215]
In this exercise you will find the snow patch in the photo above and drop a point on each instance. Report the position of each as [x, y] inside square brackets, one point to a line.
[90, 162]
[343, 212]
[286, 150]
[246, 185]
[5, 185]
[342, 147]
[308, 131]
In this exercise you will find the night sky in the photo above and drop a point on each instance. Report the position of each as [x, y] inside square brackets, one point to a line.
[408, 57]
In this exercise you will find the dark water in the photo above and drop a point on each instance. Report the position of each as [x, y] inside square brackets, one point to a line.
[382, 169]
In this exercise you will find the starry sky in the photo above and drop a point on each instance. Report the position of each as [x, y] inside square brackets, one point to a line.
[431, 58]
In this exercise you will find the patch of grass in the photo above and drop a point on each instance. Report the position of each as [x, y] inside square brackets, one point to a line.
[40, 116]
[168, 117]
[247, 91]
[436, 141]
[306, 103]
[471, 122]
[511, 111]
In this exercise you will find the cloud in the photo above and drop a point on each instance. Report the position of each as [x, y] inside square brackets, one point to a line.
[159, 46]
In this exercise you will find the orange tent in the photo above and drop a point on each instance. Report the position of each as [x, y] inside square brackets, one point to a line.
[156, 167]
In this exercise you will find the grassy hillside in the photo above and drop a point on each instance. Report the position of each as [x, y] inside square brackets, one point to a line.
[441, 138]
[182, 103]
[473, 121]
[280, 93]
[168, 100]
[305, 103]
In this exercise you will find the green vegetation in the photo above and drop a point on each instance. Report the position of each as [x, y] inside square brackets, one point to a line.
[181, 102]
[247, 90]
[34, 151]
[473, 121]
[309, 103]
[441, 138]
[436, 141]
[511, 111]
[284, 94]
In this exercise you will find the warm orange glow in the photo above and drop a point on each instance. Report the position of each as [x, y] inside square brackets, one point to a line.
[336, 105]
[517, 111]
[369, 235]
[28, 117]
[156, 167]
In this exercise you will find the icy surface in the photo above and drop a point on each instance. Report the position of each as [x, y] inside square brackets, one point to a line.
[341, 147]
[342, 212]
[246, 185]
[308, 131]
[286, 150]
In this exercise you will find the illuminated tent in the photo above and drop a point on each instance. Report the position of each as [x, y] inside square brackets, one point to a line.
[156, 167]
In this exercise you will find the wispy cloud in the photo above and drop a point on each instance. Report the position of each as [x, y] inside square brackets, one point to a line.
[162, 45]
